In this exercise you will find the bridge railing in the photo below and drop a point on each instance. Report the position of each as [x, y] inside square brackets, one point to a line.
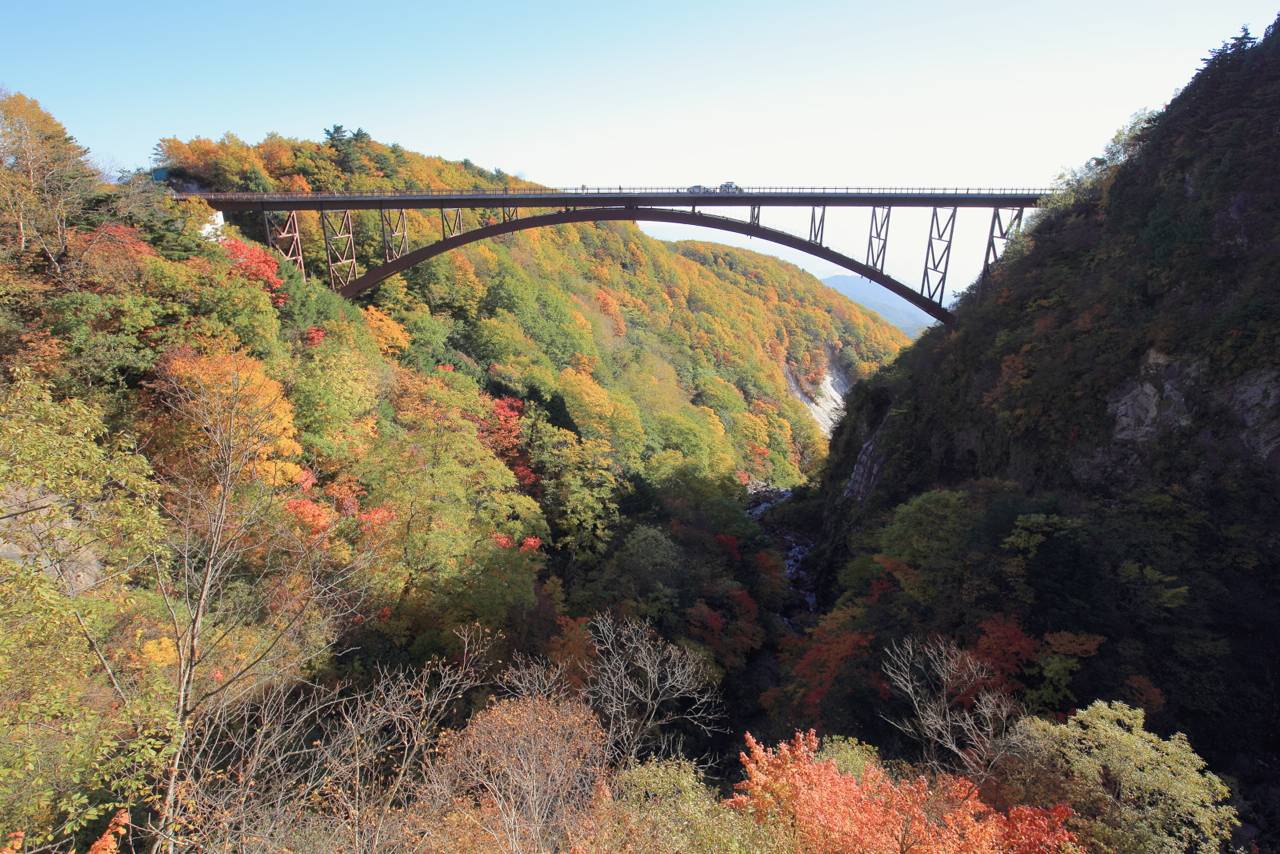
[643, 191]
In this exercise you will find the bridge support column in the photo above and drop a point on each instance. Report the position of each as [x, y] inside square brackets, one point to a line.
[1005, 225]
[510, 214]
[754, 214]
[395, 234]
[450, 222]
[937, 256]
[282, 236]
[817, 223]
[878, 239]
[339, 247]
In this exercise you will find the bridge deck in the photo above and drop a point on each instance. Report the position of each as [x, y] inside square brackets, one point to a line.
[967, 197]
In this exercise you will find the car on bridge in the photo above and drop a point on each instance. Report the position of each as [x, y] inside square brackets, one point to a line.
[730, 187]
[698, 188]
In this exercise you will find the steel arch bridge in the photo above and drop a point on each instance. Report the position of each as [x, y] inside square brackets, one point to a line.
[663, 204]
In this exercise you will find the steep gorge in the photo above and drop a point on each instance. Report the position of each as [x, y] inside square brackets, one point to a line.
[1081, 479]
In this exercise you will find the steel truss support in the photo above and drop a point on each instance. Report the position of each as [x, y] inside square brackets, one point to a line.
[395, 233]
[937, 256]
[339, 247]
[450, 222]
[817, 222]
[1005, 225]
[282, 236]
[509, 214]
[878, 239]
[755, 214]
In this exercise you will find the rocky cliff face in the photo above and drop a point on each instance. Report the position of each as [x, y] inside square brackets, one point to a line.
[1171, 401]
[825, 402]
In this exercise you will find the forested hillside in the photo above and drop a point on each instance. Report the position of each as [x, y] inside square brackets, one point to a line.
[220, 480]
[1080, 482]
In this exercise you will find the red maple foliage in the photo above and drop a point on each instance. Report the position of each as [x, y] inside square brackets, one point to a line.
[833, 812]
[254, 263]
[729, 543]
[1007, 648]
[375, 518]
[316, 518]
[826, 654]
[501, 433]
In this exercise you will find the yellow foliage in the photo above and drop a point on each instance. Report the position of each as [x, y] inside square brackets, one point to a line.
[391, 336]
[226, 402]
[160, 652]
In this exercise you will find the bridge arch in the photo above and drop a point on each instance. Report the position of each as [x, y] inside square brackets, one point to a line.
[372, 277]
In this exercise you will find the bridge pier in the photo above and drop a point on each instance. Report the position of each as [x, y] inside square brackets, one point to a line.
[817, 223]
[1001, 232]
[937, 256]
[395, 234]
[878, 239]
[450, 223]
[282, 236]
[339, 247]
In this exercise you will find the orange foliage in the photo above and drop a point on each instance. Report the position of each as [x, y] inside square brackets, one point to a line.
[40, 352]
[1144, 693]
[832, 813]
[609, 305]
[345, 491]
[224, 403]
[572, 648]
[109, 842]
[1073, 644]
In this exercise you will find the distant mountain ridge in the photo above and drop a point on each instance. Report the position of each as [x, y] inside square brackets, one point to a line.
[868, 294]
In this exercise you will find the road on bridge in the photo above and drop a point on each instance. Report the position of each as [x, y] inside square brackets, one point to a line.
[854, 197]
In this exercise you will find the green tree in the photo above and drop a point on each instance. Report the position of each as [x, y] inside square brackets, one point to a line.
[1130, 789]
[80, 734]
[580, 483]
[45, 181]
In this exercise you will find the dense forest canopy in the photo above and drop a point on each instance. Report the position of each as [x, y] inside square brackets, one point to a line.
[497, 558]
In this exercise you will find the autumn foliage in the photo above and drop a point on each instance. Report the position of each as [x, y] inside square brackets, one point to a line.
[832, 812]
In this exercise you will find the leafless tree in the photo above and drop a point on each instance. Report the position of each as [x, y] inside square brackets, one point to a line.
[326, 765]
[250, 770]
[227, 550]
[962, 724]
[377, 751]
[529, 767]
[531, 677]
[643, 687]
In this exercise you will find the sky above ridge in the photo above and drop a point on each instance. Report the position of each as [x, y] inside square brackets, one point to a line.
[661, 93]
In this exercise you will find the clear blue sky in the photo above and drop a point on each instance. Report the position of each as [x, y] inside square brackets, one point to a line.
[847, 93]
